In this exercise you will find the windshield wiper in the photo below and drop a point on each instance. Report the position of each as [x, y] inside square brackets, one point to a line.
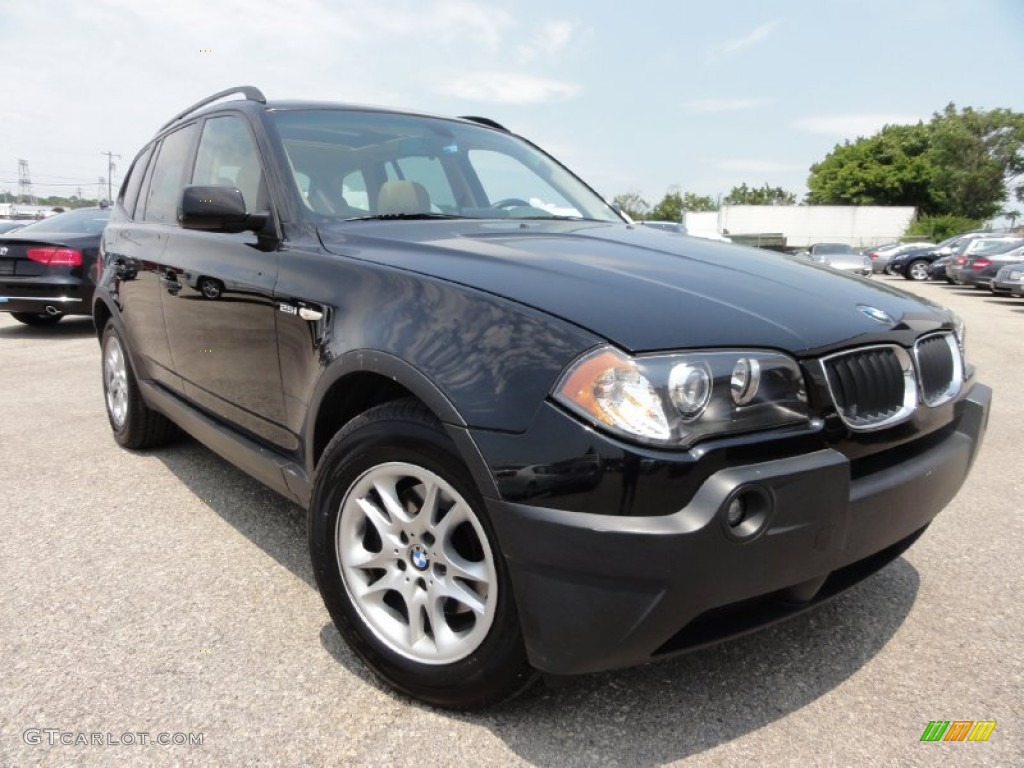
[405, 217]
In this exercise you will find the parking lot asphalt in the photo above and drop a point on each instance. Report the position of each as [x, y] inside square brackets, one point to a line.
[165, 592]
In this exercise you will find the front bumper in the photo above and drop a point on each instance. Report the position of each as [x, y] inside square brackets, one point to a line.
[598, 592]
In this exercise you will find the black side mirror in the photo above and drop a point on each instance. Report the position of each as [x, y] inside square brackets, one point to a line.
[217, 209]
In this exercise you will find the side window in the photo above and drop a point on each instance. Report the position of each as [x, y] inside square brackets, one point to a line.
[168, 177]
[133, 182]
[228, 156]
[353, 190]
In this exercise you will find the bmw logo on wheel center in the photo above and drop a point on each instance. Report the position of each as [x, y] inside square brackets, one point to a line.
[419, 559]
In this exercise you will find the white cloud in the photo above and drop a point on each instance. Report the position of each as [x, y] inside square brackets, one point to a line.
[550, 40]
[509, 88]
[851, 126]
[708, 106]
[739, 44]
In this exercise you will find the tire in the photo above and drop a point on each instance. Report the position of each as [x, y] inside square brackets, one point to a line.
[210, 287]
[396, 582]
[916, 270]
[134, 424]
[36, 320]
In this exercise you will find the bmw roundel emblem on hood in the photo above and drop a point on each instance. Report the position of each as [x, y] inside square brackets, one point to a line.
[879, 315]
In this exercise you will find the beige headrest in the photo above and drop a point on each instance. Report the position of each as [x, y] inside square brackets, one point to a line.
[402, 197]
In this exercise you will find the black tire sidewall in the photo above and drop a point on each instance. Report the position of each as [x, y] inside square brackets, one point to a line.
[498, 667]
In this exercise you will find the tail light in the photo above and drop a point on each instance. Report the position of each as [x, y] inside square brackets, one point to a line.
[981, 263]
[872, 255]
[960, 260]
[55, 257]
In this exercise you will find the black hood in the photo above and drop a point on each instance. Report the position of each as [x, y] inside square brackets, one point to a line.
[646, 290]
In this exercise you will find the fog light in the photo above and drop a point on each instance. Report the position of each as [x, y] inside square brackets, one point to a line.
[745, 379]
[689, 386]
[736, 513]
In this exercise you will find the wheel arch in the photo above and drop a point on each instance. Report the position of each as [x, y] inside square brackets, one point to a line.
[101, 313]
[362, 379]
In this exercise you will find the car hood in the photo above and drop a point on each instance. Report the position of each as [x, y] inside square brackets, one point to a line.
[645, 290]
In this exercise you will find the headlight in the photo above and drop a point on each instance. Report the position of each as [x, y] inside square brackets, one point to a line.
[676, 399]
[960, 331]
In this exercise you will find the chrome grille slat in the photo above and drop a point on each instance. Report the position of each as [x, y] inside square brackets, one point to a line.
[875, 387]
[872, 387]
[939, 368]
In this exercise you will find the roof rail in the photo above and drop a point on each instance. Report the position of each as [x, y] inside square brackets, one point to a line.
[486, 121]
[250, 92]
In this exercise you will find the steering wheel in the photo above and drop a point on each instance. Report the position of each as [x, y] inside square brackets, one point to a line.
[511, 202]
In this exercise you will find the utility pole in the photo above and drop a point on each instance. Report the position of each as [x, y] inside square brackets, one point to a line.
[110, 173]
[25, 183]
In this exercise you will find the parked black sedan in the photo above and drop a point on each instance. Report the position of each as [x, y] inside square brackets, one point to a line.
[913, 264]
[937, 269]
[48, 269]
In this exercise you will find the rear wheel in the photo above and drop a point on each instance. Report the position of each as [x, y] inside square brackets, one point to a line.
[134, 424]
[38, 320]
[408, 564]
[917, 270]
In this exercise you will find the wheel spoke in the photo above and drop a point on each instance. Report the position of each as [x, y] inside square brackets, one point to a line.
[459, 567]
[360, 557]
[387, 529]
[389, 497]
[462, 594]
[424, 519]
[417, 607]
[392, 580]
[444, 528]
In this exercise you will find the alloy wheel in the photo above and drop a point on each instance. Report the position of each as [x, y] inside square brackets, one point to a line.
[416, 563]
[115, 377]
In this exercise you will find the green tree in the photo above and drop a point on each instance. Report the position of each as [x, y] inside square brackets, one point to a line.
[675, 202]
[893, 167]
[961, 163]
[631, 204]
[763, 195]
[937, 228]
[979, 159]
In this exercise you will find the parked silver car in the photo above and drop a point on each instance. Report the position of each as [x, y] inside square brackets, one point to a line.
[842, 257]
[1009, 279]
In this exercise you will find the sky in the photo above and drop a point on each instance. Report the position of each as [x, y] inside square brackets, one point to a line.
[633, 97]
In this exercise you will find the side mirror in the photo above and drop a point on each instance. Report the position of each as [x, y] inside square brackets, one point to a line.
[217, 209]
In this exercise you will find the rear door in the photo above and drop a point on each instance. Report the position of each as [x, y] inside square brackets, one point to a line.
[132, 248]
[218, 294]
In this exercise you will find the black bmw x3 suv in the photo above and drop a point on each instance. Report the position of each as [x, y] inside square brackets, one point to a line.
[531, 437]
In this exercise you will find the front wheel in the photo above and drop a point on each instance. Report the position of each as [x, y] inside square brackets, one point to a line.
[917, 270]
[408, 564]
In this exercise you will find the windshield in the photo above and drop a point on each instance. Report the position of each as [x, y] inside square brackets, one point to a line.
[352, 165]
[88, 221]
[832, 248]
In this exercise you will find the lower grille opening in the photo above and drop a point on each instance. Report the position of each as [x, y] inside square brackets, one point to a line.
[756, 613]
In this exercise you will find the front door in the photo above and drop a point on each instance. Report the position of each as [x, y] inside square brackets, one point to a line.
[218, 296]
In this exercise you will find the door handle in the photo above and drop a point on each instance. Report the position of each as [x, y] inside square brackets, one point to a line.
[170, 282]
[310, 314]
